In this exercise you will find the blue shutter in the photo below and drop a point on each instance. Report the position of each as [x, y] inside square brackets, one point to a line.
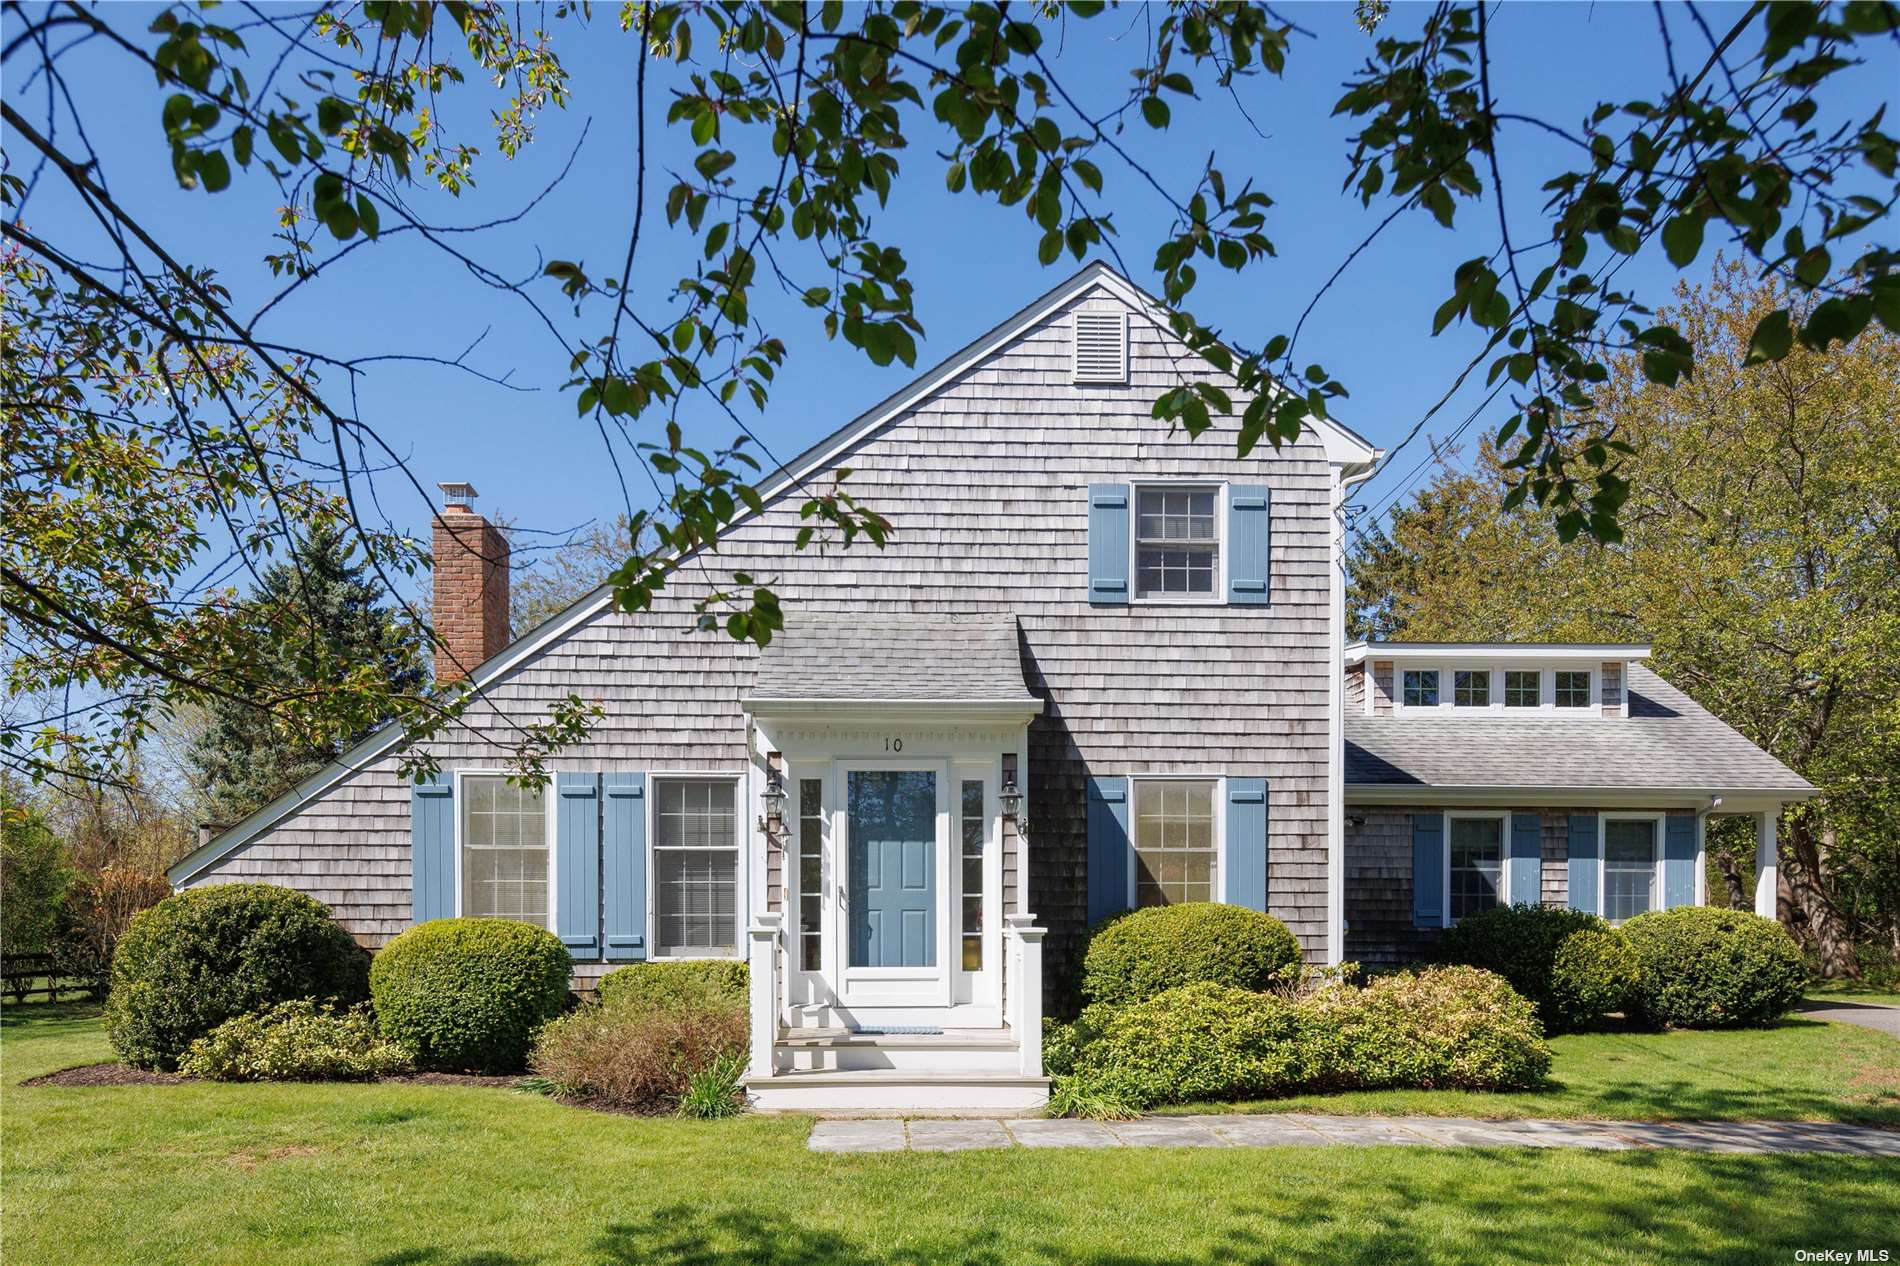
[1108, 544]
[1247, 843]
[432, 849]
[1428, 870]
[1583, 863]
[625, 865]
[1108, 847]
[1527, 859]
[1249, 520]
[1678, 860]
[577, 863]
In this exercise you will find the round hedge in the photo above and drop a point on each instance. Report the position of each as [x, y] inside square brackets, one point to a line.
[1701, 967]
[1138, 955]
[202, 957]
[470, 993]
[1520, 943]
[1593, 975]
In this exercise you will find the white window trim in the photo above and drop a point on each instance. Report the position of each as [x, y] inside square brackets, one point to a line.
[1218, 598]
[1658, 825]
[1448, 690]
[1503, 818]
[740, 806]
[550, 800]
[1219, 893]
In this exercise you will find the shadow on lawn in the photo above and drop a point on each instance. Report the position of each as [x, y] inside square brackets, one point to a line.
[1515, 1210]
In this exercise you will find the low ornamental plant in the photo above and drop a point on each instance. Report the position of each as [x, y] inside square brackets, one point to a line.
[1145, 952]
[693, 981]
[1700, 967]
[296, 1041]
[470, 994]
[643, 1059]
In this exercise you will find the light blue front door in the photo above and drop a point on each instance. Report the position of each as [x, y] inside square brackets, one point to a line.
[891, 905]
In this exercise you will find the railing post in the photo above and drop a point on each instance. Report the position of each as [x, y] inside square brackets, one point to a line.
[762, 949]
[1024, 989]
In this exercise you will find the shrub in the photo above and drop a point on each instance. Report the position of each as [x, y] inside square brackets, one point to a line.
[692, 983]
[1138, 955]
[1441, 1028]
[296, 1041]
[637, 1058]
[1699, 967]
[202, 957]
[1593, 976]
[713, 1091]
[1200, 1041]
[1520, 943]
[470, 993]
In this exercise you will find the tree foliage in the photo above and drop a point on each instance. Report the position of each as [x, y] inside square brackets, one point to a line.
[1761, 541]
[141, 396]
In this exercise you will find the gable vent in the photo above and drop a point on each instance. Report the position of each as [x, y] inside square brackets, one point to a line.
[1101, 347]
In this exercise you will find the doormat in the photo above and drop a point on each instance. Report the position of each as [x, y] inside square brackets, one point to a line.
[899, 1030]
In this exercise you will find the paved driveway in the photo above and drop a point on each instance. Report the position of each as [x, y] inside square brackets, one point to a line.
[1868, 1015]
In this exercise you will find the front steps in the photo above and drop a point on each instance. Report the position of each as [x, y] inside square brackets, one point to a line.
[960, 1072]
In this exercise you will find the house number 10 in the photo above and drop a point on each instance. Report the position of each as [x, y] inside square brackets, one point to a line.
[893, 744]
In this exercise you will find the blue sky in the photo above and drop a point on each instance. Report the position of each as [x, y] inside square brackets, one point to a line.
[972, 263]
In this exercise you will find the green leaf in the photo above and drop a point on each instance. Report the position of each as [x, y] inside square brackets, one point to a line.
[1155, 111]
[214, 171]
[1682, 238]
[241, 146]
[1773, 338]
[367, 215]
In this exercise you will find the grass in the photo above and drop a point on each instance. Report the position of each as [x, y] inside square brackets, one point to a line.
[1850, 991]
[406, 1175]
[1800, 1070]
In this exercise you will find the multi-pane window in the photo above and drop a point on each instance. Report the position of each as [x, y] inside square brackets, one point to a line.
[1421, 687]
[1573, 689]
[1523, 688]
[811, 873]
[1174, 841]
[974, 829]
[696, 868]
[504, 850]
[1477, 865]
[1177, 542]
[1629, 867]
[1471, 689]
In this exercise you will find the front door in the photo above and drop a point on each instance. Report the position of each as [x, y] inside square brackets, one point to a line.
[896, 871]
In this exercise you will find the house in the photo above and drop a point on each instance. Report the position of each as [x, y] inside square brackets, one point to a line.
[1097, 666]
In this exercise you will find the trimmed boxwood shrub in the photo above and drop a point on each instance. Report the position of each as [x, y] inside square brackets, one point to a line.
[1594, 974]
[1200, 1041]
[649, 986]
[1520, 943]
[470, 993]
[1441, 1028]
[202, 957]
[1700, 967]
[1137, 955]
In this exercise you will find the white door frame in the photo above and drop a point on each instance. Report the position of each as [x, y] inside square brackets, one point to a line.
[892, 986]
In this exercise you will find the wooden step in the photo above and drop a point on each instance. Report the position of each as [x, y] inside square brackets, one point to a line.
[847, 1050]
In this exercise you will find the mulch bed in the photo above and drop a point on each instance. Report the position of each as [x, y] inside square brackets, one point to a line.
[505, 1081]
[105, 1075]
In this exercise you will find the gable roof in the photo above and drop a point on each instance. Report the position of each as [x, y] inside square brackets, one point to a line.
[1342, 445]
[1669, 742]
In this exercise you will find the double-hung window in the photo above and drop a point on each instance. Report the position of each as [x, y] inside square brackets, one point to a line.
[1175, 843]
[1629, 867]
[1476, 865]
[504, 850]
[1177, 542]
[696, 868]
[1421, 687]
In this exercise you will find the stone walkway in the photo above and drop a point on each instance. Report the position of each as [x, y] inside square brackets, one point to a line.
[1291, 1129]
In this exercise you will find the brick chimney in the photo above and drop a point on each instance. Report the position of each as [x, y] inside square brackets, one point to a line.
[471, 585]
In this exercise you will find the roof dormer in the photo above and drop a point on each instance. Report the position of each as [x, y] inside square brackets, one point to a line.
[1493, 679]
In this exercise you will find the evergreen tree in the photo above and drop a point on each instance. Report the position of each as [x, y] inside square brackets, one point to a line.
[319, 614]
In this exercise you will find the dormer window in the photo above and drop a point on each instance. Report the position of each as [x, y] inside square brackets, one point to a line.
[1421, 687]
[1523, 688]
[1471, 689]
[1573, 689]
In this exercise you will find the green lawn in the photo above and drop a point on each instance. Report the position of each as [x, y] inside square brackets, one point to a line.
[402, 1175]
[1800, 1070]
[1850, 991]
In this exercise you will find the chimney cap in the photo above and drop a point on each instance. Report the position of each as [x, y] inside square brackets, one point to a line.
[456, 495]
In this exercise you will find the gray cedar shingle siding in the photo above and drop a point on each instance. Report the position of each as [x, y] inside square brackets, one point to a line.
[985, 482]
[1612, 687]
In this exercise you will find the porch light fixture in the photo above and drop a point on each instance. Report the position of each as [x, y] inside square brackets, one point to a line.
[773, 821]
[1010, 798]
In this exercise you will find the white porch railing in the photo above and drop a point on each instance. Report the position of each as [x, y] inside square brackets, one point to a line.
[1023, 988]
[763, 942]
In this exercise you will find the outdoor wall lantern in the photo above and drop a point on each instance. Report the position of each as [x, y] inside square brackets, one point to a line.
[773, 822]
[1010, 798]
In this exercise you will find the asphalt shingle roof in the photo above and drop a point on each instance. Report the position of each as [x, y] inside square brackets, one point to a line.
[1668, 741]
[873, 659]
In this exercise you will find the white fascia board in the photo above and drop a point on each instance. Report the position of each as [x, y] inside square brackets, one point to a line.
[894, 711]
[1359, 652]
[1734, 800]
